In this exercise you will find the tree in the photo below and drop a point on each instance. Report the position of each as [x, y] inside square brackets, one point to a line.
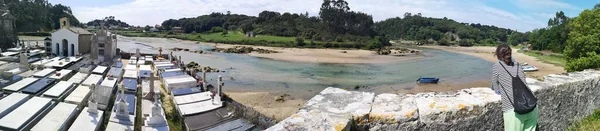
[225, 33]
[583, 44]
[444, 42]
[300, 42]
[247, 27]
[597, 6]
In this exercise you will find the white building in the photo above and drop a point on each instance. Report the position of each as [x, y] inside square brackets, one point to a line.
[70, 41]
[104, 46]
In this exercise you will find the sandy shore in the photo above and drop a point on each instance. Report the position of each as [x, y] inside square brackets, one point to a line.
[323, 55]
[487, 53]
[265, 103]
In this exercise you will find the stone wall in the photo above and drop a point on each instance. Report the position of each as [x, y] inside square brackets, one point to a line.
[562, 100]
[260, 120]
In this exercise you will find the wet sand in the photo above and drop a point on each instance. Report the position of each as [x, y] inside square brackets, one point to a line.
[323, 55]
[487, 53]
[265, 103]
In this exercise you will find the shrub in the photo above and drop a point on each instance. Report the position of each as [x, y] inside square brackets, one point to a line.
[216, 29]
[34, 33]
[327, 45]
[465, 42]
[299, 42]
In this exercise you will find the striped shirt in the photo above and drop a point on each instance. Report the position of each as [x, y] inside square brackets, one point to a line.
[502, 82]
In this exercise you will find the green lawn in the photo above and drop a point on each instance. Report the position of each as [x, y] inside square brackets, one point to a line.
[590, 123]
[235, 37]
[551, 59]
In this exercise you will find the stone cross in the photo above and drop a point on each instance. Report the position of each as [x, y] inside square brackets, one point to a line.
[92, 105]
[137, 53]
[217, 98]
[156, 118]
[204, 79]
[23, 63]
[171, 57]
[179, 60]
[122, 105]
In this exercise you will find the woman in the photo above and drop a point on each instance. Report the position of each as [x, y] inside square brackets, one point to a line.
[505, 73]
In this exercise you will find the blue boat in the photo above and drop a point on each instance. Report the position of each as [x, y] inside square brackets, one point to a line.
[428, 80]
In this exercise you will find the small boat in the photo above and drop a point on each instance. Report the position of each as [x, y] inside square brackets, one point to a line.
[529, 68]
[428, 80]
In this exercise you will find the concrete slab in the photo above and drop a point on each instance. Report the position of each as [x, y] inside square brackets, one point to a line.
[116, 72]
[78, 78]
[331, 109]
[17, 86]
[145, 70]
[198, 107]
[20, 118]
[11, 102]
[113, 119]
[61, 75]
[131, 67]
[58, 90]
[57, 119]
[179, 82]
[39, 86]
[79, 95]
[235, 125]
[131, 74]
[192, 98]
[130, 84]
[44, 73]
[100, 70]
[87, 121]
[162, 128]
[118, 127]
[206, 120]
[92, 79]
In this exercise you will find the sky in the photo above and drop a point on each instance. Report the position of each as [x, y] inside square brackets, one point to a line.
[520, 15]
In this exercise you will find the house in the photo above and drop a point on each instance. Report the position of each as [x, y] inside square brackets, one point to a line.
[70, 41]
[154, 29]
[178, 29]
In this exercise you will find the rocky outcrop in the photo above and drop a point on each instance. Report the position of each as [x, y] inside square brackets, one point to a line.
[332, 109]
[563, 100]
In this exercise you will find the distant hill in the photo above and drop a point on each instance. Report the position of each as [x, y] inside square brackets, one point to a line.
[110, 21]
[418, 28]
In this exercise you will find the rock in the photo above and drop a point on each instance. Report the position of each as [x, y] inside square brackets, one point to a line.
[332, 109]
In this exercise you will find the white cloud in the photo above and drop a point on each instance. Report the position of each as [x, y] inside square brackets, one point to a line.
[150, 12]
[545, 5]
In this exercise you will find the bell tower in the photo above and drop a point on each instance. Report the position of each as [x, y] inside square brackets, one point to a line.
[64, 22]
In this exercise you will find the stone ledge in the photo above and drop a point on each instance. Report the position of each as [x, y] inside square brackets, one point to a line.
[563, 99]
[332, 109]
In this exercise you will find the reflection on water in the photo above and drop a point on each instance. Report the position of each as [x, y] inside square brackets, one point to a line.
[307, 79]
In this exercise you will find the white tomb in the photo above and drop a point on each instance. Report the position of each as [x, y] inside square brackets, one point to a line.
[58, 90]
[19, 118]
[44, 73]
[78, 95]
[57, 119]
[20, 84]
[78, 78]
[61, 75]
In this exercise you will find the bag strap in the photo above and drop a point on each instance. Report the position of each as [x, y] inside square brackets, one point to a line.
[507, 69]
[510, 100]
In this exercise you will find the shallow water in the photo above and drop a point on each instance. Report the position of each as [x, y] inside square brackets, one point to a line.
[304, 80]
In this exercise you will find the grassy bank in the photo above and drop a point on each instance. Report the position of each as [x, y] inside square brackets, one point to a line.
[590, 123]
[235, 37]
[550, 59]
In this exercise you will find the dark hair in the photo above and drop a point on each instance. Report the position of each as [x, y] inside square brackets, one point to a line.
[503, 53]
